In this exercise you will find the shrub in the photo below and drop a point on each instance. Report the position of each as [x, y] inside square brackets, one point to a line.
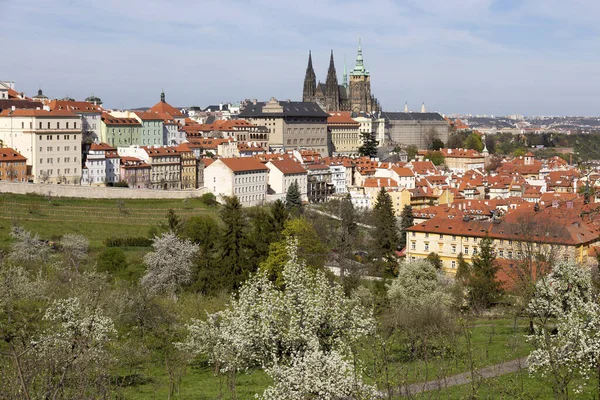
[208, 199]
[138, 241]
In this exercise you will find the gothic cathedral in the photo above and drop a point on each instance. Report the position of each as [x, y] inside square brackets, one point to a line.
[331, 96]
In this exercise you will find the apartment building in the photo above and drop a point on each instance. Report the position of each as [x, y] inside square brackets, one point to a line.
[345, 133]
[246, 178]
[13, 165]
[120, 131]
[50, 140]
[291, 124]
[282, 173]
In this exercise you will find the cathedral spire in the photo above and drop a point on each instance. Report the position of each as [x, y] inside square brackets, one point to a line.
[332, 90]
[310, 81]
[359, 68]
[345, 78]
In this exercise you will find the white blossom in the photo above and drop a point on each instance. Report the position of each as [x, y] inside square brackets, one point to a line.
[317, 375]
[170, 264]
[567, 329]
[75, 247]
[27, 247]
[266, 326]
[419, 284]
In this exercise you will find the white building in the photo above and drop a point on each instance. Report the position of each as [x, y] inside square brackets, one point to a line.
[282, 173]
[51, 141]
[404, 176]
[338, 176]
[102, 165]
[245, 178]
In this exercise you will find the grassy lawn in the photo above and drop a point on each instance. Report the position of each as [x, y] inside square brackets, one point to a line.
[200, 384]
[96, 219]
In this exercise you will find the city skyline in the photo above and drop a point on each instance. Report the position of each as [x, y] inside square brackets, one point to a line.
[476, 56]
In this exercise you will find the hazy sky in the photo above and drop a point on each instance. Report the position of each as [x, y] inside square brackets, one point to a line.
[470, 56]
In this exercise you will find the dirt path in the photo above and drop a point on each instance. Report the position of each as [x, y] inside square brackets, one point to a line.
[461, 379]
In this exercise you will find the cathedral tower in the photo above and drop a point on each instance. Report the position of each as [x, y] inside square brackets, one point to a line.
[360, 86]
[310, 81]
[332, 91]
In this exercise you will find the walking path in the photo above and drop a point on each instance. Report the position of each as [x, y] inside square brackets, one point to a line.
[464, 378]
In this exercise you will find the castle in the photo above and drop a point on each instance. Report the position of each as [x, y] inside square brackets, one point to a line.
[331, 96]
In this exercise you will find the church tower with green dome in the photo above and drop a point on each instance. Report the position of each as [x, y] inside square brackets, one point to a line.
[360, 86]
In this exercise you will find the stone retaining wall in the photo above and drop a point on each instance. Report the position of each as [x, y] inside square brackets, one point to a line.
[97, 192]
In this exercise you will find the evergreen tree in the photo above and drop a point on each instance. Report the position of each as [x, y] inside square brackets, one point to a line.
[233, 260]
[369, 146]
[385, 234]
[484, 288]
[407, 220]
[293, 198]
[204, 231]
[279, 214]
[463, 270]
[262, 234]
[347, 233]
[435, 260]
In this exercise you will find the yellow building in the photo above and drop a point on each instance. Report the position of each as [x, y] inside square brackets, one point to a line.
[565, 231]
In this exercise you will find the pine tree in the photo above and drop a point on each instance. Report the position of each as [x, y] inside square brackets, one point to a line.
[463, 270]
[233, 259]
[407, 220]
[484, 288]
[279, 214]
[369, 146]
[293, 198]
[347, 232]
[385, 235]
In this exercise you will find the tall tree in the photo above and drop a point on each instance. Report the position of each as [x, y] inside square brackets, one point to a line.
[484, 288]
[407, 220]
[203, 230]
[369, 146]
[262, 233]
[463, 270]
[279, 214]
[233, 258]
[474, 142]
[293, 199]
[347, 233]
[385, 234]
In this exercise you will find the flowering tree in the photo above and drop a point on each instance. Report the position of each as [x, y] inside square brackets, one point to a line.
[75, 247]
[419, 284]
[170, 264]
[566, 331]
[316, 375]
[27, 247]
[274, 329]
[72, 353]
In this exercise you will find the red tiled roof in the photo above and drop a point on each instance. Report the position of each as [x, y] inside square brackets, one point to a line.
[37, 113]
[75, 106]
[8, 154]
[380, 182]
[164, 107]
[243, 164]
[288, 166]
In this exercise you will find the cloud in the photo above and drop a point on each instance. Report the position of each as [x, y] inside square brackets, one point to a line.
[478, 56]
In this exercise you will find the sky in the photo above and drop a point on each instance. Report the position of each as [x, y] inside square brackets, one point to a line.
[500, 57]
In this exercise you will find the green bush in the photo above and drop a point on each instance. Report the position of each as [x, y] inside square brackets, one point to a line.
[139, 241]
[209, 199]
[112, 260]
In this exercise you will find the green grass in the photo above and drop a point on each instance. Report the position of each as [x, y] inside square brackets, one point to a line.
[96, 219]
[199, 384]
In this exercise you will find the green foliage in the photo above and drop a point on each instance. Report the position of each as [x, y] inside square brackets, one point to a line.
[412, 151]
[140, 241]
[385, 235]
[204, 231]
[435, 260]
[209, 199]
[520, 152]
[457, 140]
[436, 144]
[233, 258]
[293, 199]
[112, 260]
[436, 157]
[279, 214]
[484, 288]
[474, 142]
[310, 248]
[463, 270]
[173, 223]
[120, 184]
[406, 221]
[369, 146]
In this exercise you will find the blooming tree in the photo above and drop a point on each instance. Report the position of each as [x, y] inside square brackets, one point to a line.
[272, 328]
[170, 264]
[75, 247]
[73, 352]
[27, 247]
[566, 327]
[419, 284]
[316, 375]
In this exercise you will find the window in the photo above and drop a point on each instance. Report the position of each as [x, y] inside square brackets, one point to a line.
[453, 248]
[426, 235]
[426, 246]
[441, 236]
[67, 125]
[501, 253]
[474, 251]
[453, 264]
[58, 127]
[413, 234]
[466, 250]
[75, 125]
[413, 245]
[510, 254]
[48, 148]
[48, 125]
[453, 237]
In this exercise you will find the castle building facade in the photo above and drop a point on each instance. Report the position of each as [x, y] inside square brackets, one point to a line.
[331, 96]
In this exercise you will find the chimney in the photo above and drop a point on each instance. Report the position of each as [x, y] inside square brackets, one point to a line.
[13, 108]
